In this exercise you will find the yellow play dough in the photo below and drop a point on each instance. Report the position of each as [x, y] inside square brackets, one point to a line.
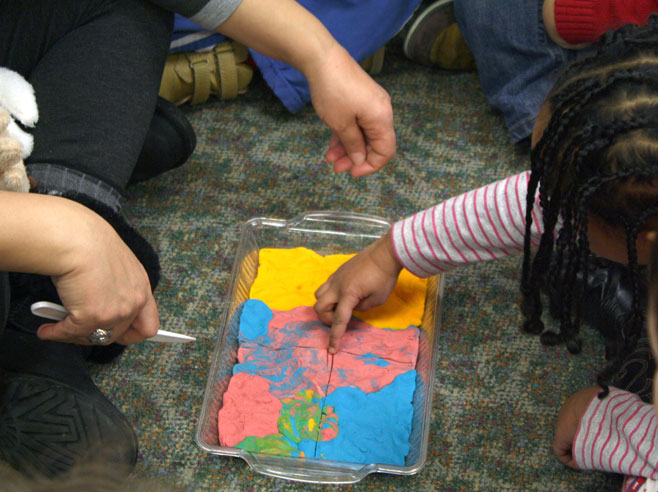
[288, 278]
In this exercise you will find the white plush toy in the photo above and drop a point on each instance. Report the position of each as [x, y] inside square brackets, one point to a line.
[16, 101]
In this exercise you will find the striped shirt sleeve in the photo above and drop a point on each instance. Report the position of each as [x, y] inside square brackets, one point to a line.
[618, 434]
[482, 224]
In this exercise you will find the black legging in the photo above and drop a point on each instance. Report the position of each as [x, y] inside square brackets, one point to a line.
[95, 66]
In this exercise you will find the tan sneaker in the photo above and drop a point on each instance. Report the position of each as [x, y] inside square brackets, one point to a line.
[194, 76]
[434, 38]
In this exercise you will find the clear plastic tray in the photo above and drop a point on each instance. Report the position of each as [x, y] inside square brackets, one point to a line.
[326, 233]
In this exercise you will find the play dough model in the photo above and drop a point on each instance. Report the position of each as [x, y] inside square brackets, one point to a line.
[288, 396]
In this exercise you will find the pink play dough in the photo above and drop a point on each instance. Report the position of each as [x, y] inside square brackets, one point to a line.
[296, 358]
[246, 391]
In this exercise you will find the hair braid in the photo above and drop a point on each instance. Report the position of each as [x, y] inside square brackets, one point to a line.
[591, 157]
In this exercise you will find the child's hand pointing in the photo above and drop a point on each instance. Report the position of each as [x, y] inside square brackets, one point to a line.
[364, 282]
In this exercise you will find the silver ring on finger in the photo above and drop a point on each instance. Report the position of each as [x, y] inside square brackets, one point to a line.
[99, 336]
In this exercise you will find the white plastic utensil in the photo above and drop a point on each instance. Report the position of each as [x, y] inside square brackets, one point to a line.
[57, 312]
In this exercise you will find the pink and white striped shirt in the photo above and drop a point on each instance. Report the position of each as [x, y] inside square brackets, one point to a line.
[618, 434]
[482, 224]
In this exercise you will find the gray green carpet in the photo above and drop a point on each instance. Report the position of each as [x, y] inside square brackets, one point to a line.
[497, 391]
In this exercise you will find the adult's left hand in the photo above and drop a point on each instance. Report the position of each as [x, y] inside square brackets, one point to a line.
[345, 97]
[357, 109]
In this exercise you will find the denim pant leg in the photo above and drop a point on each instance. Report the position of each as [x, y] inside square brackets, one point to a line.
[96, 67]
[516, 60]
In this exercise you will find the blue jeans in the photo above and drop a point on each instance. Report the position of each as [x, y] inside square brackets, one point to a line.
[516, 60]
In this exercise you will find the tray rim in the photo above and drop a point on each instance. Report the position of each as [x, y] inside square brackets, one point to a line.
[331, 472]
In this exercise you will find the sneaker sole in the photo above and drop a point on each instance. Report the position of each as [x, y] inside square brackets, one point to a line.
[428, 11]
[47, 427]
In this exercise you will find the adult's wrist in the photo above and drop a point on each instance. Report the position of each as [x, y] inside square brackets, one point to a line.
[280, 29]
[43, 234]
[325, 60]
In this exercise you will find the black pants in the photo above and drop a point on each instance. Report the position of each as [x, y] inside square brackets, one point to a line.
[95, 66]
[4, 300]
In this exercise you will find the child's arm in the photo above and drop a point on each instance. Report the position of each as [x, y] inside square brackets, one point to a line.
[616, 434]
[362, 283]
[568, 422]
[482, 224]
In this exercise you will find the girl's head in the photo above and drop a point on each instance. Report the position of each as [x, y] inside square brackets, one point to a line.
[595, 163]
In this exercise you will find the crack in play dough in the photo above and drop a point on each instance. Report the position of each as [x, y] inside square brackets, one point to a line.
[356, 406]
[324, 399]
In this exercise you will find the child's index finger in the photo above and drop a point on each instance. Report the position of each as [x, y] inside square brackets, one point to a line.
[342, 316]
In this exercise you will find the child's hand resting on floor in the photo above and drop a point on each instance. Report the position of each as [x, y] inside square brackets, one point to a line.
[362, 283]
[568, 420]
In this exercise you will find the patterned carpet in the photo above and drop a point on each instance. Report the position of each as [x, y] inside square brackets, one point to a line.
[497, 391]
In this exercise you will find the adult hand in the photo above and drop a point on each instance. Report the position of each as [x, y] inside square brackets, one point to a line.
[353, 105]
[104, 286]
[362, 283]
[568, 420]
[357, 109]
[99, 280]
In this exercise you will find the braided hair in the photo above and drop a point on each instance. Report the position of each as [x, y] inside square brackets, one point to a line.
[598, 156]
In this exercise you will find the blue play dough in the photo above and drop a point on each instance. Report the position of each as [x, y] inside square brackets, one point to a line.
[307, 446]
[373, 359]
[374, 427]
[254, 320]
[278, 366]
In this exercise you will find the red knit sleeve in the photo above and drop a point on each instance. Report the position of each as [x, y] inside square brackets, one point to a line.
[583, 21]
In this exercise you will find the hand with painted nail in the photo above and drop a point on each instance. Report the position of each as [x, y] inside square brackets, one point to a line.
[359, 112]
[364, 282]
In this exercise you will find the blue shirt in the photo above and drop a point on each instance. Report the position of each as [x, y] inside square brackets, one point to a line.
[360, 26]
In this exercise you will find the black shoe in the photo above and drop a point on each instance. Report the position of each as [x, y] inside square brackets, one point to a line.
[169, 142]
[636, 371]
[27, 289]
[52, 415]
[607, 303]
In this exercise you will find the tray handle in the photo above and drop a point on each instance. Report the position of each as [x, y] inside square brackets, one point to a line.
[340, 222]
[306, 471]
